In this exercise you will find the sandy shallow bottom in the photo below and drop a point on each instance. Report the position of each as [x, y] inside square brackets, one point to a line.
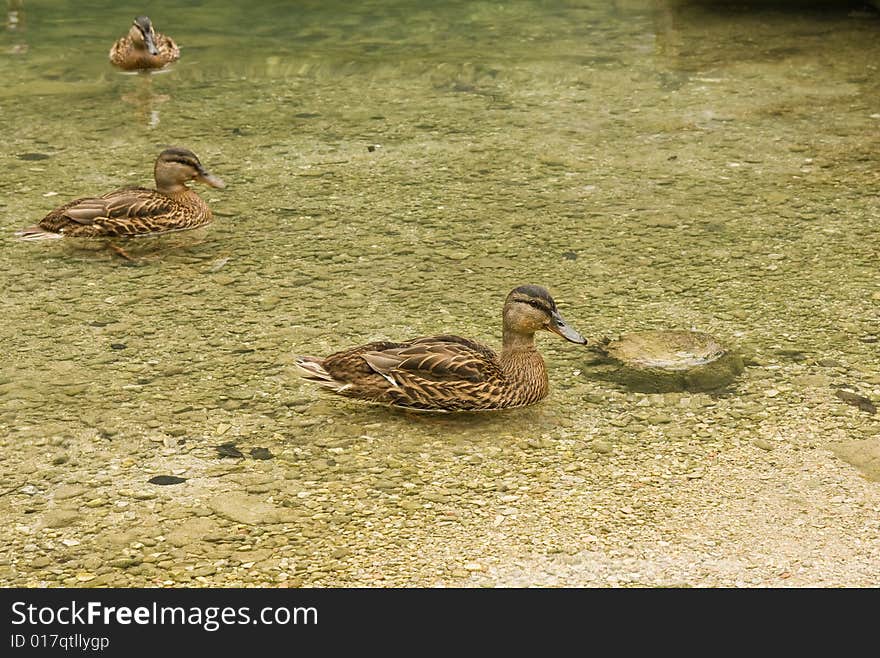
[645, 496]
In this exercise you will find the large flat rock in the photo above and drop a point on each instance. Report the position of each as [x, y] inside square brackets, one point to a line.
[864, 455]
[251, 510]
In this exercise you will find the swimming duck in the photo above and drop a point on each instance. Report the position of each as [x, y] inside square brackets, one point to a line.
[447, 372]
[134, 211]
[143, 48]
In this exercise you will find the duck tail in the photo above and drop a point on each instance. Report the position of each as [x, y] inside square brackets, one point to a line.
[311, 368]
[36, 233]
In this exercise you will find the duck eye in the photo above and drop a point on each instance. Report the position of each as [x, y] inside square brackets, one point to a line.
[536, 304]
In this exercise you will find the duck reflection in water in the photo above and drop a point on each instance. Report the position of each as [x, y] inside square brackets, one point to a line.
[146, 101]
[15, 23]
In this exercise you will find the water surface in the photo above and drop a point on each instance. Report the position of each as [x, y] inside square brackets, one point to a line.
[393, 170]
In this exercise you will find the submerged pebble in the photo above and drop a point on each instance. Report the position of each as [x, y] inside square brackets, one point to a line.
[862, 402]
[166, 480]
[229, 450]
[261, 453]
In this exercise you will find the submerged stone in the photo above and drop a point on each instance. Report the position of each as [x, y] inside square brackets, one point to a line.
[667, 361]
[166, 479]
[60, 518]
[250, 510]
[261, 453]
[864, 455]
[857, 400]
[229, 450]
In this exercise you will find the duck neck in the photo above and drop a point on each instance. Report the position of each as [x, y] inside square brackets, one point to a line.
[519, 354]
[172, 188]
[513, 341]
[186, 197]
[524, 367]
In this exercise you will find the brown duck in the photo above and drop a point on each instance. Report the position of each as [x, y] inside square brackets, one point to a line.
[143, 49]
[135, 211]
[447, 372]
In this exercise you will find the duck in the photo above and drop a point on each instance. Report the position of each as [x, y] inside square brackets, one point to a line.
[143, 49]
[448, 372]
[136, 211]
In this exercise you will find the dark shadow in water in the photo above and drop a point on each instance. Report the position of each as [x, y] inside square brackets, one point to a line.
[695, 35]
[470, 425]
[733, 7]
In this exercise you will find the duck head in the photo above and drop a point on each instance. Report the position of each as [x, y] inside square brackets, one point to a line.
[176, 166]
[529, 309]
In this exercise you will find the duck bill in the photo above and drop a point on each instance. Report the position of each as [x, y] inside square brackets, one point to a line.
[558, 326]
[209, 179]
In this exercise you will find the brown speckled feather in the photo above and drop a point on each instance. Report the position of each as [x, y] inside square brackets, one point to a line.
[438, 359]
[134, 211]
[448, 372]
[127, 56]
[436, 372]
[128, 212]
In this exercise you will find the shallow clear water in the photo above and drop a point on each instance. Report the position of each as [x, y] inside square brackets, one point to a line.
[393, 170]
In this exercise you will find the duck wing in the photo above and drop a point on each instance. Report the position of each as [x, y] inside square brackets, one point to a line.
[437, 359]
[443, 373]
[129, 203]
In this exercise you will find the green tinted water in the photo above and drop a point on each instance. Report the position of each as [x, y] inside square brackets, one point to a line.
[393, 170]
